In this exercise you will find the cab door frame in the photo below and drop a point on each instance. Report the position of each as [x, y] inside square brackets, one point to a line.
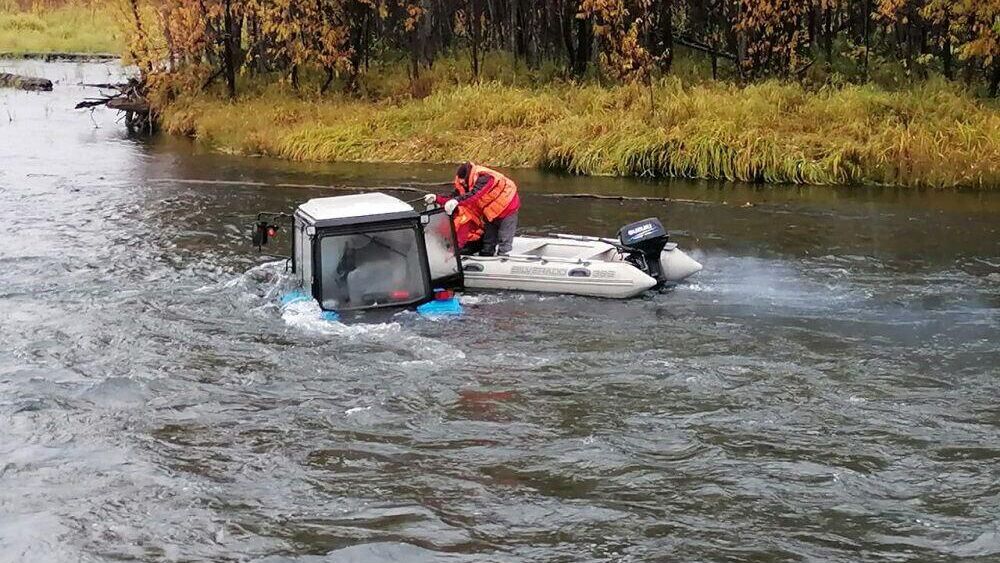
[455, 280]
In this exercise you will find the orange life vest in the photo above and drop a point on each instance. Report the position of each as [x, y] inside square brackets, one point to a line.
[495, 201]
[468, 226]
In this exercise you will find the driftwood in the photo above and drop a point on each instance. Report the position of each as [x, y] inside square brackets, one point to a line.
[25, 82]
[128, 98]
[625, 198]
[49, 57]
[132, 105]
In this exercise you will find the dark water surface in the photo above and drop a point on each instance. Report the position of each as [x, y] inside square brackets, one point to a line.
[826, 390]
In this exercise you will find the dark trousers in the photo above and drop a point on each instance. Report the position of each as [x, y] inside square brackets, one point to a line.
[498, 235]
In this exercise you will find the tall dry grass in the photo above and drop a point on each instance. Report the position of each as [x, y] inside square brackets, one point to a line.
[75, 26]
[932, 135]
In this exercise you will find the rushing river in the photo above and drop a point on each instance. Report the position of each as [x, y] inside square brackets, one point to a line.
[825, 390]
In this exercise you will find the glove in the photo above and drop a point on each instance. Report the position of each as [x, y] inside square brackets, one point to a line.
[450, 205]
[430, 199]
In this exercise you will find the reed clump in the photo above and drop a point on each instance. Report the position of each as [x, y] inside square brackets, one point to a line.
[930, 135]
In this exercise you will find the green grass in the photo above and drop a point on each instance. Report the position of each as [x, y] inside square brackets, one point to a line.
[930, 135]
[75, 27]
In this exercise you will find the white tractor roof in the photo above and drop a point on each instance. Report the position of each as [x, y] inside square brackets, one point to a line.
[354, 208]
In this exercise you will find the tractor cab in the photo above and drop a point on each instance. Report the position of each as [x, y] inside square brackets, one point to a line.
[370, 251]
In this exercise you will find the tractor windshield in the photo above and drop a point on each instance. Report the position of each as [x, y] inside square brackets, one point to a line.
[374, 269]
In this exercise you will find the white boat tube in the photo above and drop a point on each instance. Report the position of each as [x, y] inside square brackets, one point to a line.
[577, 265]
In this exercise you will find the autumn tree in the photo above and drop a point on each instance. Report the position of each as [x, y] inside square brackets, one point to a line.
[619, 28]
[773, 34]
[195, 43]
[974, 25]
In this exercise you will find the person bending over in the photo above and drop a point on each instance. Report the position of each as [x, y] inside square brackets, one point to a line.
[490, 196]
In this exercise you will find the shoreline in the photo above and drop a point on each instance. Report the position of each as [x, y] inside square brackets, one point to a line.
[928, 136]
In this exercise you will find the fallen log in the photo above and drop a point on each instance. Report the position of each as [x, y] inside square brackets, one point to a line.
[128, 99]
[25, 82]
[135, 105]
[626, 198]
[58, 57]
[699, 46]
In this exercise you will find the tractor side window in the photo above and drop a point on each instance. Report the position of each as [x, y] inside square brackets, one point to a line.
[365, 270]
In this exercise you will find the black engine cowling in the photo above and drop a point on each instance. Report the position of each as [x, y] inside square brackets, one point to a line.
[647, 239]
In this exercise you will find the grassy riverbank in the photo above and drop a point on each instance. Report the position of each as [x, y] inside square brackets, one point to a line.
[73, 27]
[931, 135]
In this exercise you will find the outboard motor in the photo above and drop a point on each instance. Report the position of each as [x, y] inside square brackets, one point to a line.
[647, 238]
[653, 253]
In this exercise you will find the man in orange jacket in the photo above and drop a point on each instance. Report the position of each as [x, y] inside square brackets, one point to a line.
[490, 196]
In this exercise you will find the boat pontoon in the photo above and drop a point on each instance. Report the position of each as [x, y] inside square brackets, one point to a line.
[640, 260]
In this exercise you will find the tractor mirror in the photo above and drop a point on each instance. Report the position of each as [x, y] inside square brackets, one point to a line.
[260, 234]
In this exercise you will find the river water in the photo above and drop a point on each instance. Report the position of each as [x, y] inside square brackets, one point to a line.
[825, 390]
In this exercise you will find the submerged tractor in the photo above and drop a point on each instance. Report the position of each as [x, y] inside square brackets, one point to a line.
[373, 251]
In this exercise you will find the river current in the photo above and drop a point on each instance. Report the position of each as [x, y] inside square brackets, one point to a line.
[825, 390]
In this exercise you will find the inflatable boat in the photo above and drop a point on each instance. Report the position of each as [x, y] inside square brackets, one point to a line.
[370, 251]
[578, 265]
